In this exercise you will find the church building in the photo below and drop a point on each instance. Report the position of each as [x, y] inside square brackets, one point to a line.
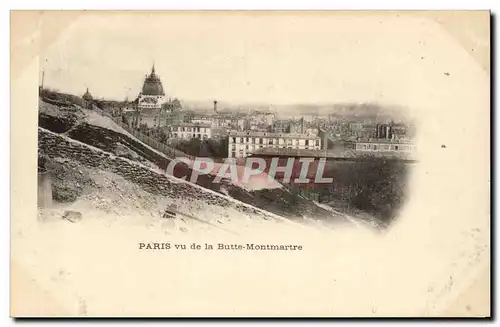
[154, 108]
[152, 97]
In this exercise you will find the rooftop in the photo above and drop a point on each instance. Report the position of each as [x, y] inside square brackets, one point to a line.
[385, 141]
[269, 134]
[331, 154]
[191, 125]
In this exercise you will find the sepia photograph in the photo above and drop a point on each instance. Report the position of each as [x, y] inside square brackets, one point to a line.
[250, 163]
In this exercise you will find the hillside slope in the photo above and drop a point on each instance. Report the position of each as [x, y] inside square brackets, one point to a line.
[103, 133]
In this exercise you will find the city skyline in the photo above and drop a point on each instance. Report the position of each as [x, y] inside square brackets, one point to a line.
[363, 110]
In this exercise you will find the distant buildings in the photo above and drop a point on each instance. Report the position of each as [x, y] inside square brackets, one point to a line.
[384, 145]
[221, 121]
[256, 129]
[228, 121]
[242, 143]
[281, 126]
[201, 119]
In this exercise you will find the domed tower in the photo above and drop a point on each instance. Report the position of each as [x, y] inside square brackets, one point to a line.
[152, 95]
[88, 98]
[152, 84]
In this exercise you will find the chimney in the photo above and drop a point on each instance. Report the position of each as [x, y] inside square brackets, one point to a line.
[215, 106]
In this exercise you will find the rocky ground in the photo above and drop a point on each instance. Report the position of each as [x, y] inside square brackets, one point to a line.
[95, 194]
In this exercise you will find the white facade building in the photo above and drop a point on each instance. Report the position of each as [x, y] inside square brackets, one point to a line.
[384, 145]
[243, 143]
[186, 131]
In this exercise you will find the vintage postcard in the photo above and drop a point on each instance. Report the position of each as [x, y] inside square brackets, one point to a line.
[250, 164]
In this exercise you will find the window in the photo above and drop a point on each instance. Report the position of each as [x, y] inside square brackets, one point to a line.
[199, 136]
[241, 140]
[246, 147]
[233, 154]
[307, 142]
[396, 148]
[317, 142]
[261, 141]
[234, 139]
[253, 140]
[247, 139]
[270, 141]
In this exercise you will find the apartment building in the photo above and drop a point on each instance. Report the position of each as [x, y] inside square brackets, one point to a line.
[243, 143]
[220, 121]
[186, 131]
[201, 119]
[384, 145]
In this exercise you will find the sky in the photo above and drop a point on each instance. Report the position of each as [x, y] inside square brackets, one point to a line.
[273, 58]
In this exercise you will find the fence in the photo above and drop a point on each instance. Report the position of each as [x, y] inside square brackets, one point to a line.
[44, 190]
[159, 146]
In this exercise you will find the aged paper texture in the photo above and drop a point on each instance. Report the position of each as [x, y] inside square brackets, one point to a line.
[389, 113]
